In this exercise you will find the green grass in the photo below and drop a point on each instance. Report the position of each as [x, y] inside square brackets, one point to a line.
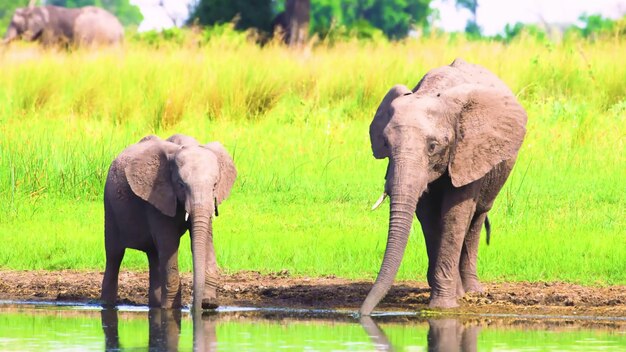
[297, 126]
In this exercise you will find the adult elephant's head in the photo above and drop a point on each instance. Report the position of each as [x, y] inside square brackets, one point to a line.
[463, 131]
[196, 177]
[27, 23]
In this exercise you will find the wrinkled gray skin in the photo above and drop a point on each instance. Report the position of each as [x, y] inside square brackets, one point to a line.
[53, 25]
[150, 187]
[451, 144]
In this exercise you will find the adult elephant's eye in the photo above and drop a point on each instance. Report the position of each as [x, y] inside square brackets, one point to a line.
[181, 184]
[432, 146]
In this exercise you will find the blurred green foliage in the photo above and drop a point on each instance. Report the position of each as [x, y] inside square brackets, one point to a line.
[592, 27]
[7, 7]
[244, 13]
[361, 18]
[395, 18]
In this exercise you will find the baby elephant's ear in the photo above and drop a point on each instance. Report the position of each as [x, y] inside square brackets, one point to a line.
[491, 125]
[227, 174]
[148, 174]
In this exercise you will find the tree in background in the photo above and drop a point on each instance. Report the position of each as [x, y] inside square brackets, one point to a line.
[293, 22]
[247, 13]
[593, 25]
[394, 17]
[127, 14]
[472, 28]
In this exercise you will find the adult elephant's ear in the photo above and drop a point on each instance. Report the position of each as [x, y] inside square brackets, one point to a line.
[490, 128]
[381, 119]
[227, 174]
[148, 174]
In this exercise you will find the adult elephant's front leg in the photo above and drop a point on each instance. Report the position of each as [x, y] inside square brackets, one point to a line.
[457, 209]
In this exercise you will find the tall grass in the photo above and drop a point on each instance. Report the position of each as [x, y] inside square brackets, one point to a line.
[296, 123]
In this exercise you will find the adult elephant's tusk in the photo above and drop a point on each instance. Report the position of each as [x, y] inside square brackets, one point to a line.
[186, 216]
[379, 201]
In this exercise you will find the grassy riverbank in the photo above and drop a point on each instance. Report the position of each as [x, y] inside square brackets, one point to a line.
[297, 125]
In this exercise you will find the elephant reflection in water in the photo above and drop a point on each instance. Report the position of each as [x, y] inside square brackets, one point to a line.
[164, 330]
[444, 335]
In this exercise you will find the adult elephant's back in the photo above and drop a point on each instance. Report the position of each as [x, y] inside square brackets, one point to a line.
[95, 26]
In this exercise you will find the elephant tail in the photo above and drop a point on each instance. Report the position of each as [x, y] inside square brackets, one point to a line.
[488, 229]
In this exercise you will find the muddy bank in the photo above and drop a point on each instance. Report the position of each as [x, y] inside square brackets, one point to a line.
[282, 290]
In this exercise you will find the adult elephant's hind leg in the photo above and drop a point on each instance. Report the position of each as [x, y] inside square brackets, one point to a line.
[469, 255]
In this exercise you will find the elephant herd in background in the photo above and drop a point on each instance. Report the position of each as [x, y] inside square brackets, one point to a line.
[59, 26]
[451, 144]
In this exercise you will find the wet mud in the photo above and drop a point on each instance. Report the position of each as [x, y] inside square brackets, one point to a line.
[253, 289]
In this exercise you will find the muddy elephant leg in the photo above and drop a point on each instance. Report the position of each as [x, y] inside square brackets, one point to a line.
[154, 292]
[114, 256]
[457, 210]
[469, 254]
[209, 301]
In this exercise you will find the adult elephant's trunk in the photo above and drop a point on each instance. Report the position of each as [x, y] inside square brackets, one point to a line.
[201, 233]
[406, 187]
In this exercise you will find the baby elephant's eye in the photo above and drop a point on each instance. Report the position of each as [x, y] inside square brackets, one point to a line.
[181, 184]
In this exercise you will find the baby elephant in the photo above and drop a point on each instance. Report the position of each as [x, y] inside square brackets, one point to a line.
[151, 188]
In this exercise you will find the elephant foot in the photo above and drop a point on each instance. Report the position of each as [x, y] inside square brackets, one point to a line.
[210, 303]
[473, 286]
[460, 291]
[442, 303]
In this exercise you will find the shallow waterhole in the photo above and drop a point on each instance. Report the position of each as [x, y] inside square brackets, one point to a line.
[37, 326]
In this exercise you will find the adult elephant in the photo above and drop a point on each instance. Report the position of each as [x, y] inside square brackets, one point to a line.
[150, 189]
[53, 25]
[451, 143]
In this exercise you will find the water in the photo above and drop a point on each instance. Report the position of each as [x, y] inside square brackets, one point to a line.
[50, 327]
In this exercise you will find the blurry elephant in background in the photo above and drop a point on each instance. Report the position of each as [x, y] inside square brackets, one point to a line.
[150, 189]
[53, 25]
[451, 143]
